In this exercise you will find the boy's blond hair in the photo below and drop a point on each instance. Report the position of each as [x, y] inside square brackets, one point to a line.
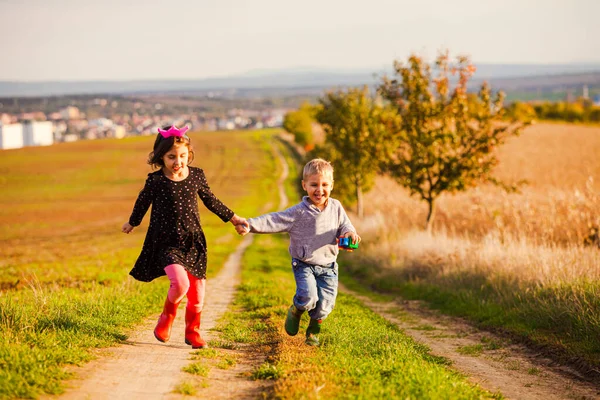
[318, 166]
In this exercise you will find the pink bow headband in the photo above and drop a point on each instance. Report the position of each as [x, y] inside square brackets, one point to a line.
[173, 131]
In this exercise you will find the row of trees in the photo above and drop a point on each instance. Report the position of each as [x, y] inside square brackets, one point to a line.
[419, 126]
[579, 111]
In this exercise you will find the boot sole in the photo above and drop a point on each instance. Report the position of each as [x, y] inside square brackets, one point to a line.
[195, 347]
[160, 339]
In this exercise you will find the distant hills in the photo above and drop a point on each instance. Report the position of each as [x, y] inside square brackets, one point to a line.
[298, 80]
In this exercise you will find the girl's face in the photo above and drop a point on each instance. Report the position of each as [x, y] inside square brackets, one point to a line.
[318, 187]
[176, 159]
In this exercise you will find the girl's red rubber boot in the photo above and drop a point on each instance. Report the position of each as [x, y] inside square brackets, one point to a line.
[162, 332]
[192, 329]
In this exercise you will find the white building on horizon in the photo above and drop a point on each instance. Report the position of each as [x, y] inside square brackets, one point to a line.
[28, 133]
[38, 133]
[11, 136]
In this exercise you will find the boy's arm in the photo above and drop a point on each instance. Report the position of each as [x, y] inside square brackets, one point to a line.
[281, 221]
[345, 226]
[347, 229]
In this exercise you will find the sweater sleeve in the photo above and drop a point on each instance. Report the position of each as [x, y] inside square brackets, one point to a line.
[345, 224]
[143, 202]
[275, 222]
[211, 201]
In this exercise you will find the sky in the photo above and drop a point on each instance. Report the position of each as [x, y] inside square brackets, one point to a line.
[74, 40]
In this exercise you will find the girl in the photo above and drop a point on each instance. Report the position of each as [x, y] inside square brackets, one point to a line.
[175, 244]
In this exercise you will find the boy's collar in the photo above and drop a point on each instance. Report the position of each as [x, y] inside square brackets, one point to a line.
[308, 202]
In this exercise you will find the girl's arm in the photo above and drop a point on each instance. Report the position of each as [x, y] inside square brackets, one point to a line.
[142, 204]
[211, 202]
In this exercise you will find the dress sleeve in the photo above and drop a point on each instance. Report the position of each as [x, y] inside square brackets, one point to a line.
[142, 203]
[211, 202]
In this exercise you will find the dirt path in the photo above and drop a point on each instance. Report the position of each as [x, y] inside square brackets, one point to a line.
[144, 368]
[487, 359]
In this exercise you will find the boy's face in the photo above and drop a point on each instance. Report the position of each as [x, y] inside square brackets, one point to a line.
[318, 187]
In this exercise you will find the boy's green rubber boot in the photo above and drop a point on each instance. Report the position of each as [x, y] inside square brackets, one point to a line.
[292, 321]
[314, 327]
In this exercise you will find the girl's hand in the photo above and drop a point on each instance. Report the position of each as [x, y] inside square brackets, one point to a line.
[126, 228]
[240, 222]
[354, 236]
[236, 220]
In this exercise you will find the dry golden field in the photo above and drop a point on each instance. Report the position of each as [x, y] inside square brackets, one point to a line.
[524, 263]
[536, 237]
[560, 205]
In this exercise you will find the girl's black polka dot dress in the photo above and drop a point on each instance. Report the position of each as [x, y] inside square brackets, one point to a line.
[174, 235]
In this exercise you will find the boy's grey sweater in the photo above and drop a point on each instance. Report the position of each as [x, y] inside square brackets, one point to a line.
[313, 233]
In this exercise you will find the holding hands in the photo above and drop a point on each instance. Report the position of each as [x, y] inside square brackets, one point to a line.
[242, 226]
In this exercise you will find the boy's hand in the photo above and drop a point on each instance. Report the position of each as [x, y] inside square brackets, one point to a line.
[242, 229]
[126, 228]
[354, 236]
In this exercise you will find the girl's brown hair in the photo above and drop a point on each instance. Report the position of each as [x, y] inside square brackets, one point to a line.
[163, 145]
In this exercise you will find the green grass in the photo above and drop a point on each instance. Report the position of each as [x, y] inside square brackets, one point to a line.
[59, 305]
[562, 319]
[197, 368]
[267, 371]
[43, 330]
[474, 350]
[362, 356]
[64, 263]
[227, 362]
[186, 388]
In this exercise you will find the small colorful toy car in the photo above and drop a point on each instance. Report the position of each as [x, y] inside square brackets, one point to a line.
[345, 243]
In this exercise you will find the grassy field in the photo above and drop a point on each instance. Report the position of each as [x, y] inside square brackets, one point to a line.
[66, 290]
[517, 263]
[362, 355]
[64, 263]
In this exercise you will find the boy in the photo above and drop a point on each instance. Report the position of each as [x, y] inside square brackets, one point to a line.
[314, 226]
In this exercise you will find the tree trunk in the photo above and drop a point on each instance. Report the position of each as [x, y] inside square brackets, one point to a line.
[430, 215]
[359, 201]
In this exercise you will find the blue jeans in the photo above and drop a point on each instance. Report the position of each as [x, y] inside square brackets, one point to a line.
[316, 288]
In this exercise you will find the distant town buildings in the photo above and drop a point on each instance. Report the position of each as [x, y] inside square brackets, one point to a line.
[70, 113]
[28, 133]
[68, 124]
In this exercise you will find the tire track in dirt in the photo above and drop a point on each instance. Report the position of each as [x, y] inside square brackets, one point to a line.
[143, 368]
[511, 369]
